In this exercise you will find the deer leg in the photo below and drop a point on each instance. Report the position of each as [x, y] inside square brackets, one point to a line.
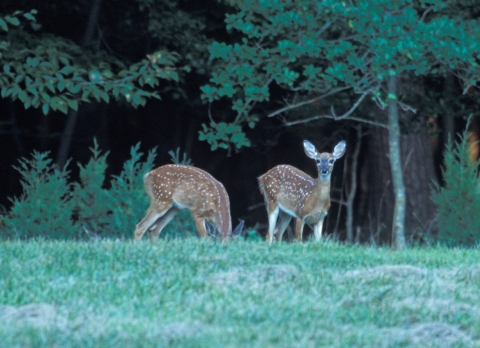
[155, 230]
[282, 225]
[317, 230]
[147, 222]
[200, 225]
[299, 229]
[272, 221]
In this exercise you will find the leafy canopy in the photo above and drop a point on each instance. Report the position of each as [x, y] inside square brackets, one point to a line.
[54, 73]
[322, 48]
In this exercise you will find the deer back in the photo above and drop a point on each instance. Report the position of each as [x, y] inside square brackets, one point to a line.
[191, 188]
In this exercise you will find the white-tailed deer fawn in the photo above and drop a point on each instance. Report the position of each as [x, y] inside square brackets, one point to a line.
[289, 192]
[172, 188]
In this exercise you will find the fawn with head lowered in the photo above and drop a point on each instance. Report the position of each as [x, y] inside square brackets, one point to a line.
[289, 193]
[174, 187]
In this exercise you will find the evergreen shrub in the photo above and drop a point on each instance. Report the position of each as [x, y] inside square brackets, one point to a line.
[458, 201]
[53, 208]
[45, 207]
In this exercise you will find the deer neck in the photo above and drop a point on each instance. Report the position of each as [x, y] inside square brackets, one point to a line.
[321, 190]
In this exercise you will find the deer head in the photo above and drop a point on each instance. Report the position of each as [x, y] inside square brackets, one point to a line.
[325, 160]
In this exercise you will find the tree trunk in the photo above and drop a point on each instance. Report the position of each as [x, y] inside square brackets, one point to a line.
[398, 226]
[351, 189]
[448, 124]
[67, 136]
[377, 201]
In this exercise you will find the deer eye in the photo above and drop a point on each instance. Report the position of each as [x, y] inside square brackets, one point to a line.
[330, 161]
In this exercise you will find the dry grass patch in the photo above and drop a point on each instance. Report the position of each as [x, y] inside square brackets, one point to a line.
[434, 334]
[443, 307]
[396, 272]
[464, 274]
[179, 330]
[264, 275]
[35, 314]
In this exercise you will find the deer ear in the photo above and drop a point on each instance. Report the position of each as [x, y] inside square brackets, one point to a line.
[211, 229]
[339, 150]
[310, 149]
[238, 230]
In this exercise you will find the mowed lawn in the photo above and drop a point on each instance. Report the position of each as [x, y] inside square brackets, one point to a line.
[193, 293]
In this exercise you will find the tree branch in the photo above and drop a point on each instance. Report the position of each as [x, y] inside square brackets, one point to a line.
[289, 107]
[333, 117]
[352, 109]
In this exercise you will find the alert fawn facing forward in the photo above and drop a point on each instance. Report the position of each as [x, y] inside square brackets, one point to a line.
[172, 188]
[289, 192]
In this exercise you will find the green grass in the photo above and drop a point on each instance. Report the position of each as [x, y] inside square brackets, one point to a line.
[192, 293]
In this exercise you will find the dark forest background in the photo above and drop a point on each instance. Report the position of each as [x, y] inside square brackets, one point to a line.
[129, 30]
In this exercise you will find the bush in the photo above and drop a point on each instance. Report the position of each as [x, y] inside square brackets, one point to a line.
[127, 198]
[91, 199]
[458, 202]
[45, 207]
[53, 208]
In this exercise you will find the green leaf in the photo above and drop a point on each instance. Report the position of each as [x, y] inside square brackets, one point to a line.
[67, 70]
[96, 94]
[12, 20]
[33, 62]
[54, 103]
[62, 106]
[73, 104]
[22, 95]
[63, 60]
[50, 86]
[45, 97]
[45, 108]
[27, 103]
[74, 88]
[107, 73]
[95, 76]
[136, 99]
[61, 85]
[104, 96]
[3, 25]
[29, 16]
[168, 74]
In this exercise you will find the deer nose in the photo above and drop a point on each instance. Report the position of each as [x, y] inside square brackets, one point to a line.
[324, 168]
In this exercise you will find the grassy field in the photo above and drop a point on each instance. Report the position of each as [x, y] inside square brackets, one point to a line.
[192, 293]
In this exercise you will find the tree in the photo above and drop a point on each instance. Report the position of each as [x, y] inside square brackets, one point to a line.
[53, 73]
[331, 51]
